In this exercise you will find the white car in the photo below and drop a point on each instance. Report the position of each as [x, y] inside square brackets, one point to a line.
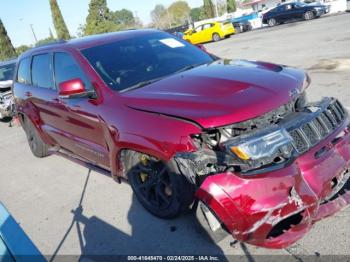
[6, 99]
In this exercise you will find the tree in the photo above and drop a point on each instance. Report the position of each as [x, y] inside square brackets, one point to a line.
[196, 14]
[159, 17]
[208, 9]
[124, 18]
[231, 6]
[58, 21]
[179, 12]
[45, 41]
[51, 34]
[99, 19]
[22, 48]
[7, 50]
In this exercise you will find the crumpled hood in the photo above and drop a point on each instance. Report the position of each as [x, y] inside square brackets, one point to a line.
[220, 93]
[6, 84]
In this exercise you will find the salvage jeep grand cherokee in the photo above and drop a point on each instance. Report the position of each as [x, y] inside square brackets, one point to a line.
[182, 126]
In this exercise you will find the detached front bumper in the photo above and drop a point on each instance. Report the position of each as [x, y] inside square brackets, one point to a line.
[277, 208]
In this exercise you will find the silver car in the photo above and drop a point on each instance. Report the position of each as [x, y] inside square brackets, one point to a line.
[6, 99]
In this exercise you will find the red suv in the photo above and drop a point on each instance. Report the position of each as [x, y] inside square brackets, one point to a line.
[235, 139]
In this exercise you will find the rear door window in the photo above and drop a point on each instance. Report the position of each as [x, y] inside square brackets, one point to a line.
[42, 71]
[23, 75]
[207, 26]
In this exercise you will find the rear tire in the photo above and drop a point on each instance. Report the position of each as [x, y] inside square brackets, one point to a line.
[216, 37]
[158, 186]
[308, 15]
[272, 22]
[36, 144]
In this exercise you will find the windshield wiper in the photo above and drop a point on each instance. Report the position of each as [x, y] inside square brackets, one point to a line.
[189, 67]
[147, 82]
[140, 84]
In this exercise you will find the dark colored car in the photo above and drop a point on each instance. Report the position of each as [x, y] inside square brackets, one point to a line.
[241, 27]
[183, 127]
[242, 23]
[293, 11]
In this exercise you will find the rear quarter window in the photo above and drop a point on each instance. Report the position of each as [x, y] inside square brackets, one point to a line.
[42, 71]
[23, 75]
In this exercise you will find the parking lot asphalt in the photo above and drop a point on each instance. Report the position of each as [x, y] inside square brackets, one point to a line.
[66, 210]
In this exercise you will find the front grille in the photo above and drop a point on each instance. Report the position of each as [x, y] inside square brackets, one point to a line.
[299, 142]
[312, 132]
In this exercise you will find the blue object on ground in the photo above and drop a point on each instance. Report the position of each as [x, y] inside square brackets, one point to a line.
[14, 243]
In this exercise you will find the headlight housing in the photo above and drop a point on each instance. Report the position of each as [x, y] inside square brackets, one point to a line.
[262, 147]
[261, 150]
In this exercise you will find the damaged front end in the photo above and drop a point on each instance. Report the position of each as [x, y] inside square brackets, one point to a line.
[268, 179]
[6, 99]
[6, 103]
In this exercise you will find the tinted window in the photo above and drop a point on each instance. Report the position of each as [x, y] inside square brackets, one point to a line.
[23, 75]
[6, 72]
[206, 26]
[41, 71]
[199, 28]
[128, 62]
[66, 68]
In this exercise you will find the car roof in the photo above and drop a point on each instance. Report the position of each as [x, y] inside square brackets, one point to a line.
[89, 41]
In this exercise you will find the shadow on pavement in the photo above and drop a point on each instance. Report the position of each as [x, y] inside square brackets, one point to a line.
[183, 236]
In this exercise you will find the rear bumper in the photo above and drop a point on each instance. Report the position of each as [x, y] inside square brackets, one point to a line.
[277, 208]
[227, 32]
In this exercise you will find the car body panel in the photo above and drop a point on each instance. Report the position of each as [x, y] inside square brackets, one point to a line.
[200, 95]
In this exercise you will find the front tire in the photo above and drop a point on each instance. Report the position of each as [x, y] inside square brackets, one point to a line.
[272, 22]
[216, 37]
[36, 144]
[308, 15]
[158, 186]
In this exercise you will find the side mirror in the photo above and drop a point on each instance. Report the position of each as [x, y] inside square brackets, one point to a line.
[72, 88]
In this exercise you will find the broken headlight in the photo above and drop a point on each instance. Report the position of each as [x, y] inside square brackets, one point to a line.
[263, 149]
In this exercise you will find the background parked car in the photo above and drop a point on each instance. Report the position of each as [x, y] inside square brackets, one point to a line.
[6, 99]
[293, 11]
[213, 31]
[243, 23]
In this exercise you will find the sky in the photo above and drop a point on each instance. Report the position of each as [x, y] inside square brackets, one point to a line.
[18, 15]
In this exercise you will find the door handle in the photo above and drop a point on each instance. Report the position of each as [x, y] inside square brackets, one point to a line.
[28, 94]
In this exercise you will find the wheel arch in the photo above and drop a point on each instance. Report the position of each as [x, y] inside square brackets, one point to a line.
[35, 120]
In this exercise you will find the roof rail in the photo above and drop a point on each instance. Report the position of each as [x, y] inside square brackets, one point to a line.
[52, 43]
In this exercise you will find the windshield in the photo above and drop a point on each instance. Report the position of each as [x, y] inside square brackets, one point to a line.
[300, 4]
[6, 72]
[144, 59]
